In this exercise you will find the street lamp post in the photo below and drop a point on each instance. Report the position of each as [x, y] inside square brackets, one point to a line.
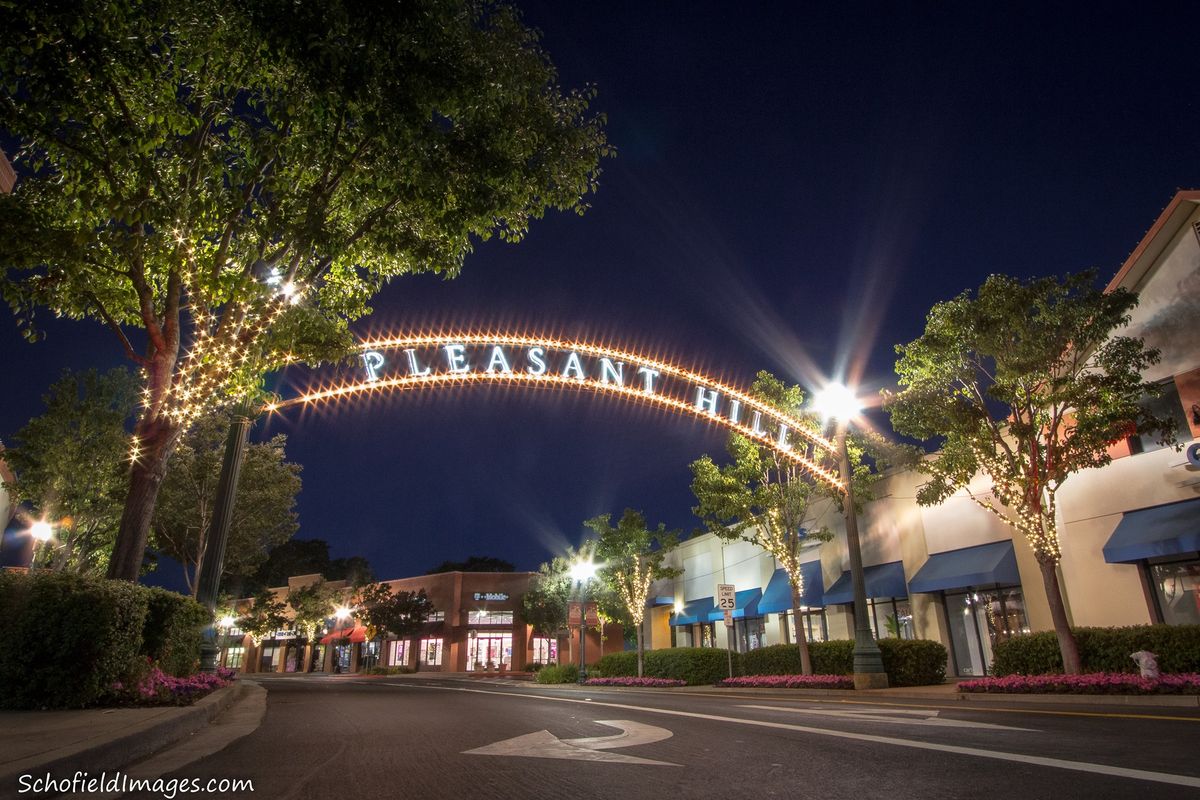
[42, 532]
[838, 402]
[583, 572]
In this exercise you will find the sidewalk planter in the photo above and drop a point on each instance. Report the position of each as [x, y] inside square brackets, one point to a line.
[1177, 648]
[789, 682]
[567, 673]
[696, 666]
[908, 662]
[66, 640]
[653, 683]
[1094, 683]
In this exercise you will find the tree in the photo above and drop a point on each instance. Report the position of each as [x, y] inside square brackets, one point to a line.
[475, 564]
[384, 612]
[70, 465]
[764, 499]
[265, 615]
[544, 604]
[237, 180]
[1024, 384]
[303, 557]
[631, 557]
[311, 605]
[263, 517]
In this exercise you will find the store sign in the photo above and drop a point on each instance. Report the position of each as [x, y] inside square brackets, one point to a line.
[285, 634]
[490, 596]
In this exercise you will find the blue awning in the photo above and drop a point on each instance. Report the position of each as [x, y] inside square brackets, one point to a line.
[882, 580]
[746, 605]
[655, 602]
[777, 599]
[981, 565]
[694, 611]
[1166, 530]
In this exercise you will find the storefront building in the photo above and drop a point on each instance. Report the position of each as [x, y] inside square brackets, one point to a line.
[476, 626]
[1130, 531]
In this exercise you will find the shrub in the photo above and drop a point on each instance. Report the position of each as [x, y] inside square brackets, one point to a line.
[534, 667]
[1095, 683]
[913, 662]
[66, 640]
[790, 682]
[567, 673]
[157, 688]
[393, 670]
[1177, 648]
[616, 665]
[630, 680]
[830, 658]
[171, 636]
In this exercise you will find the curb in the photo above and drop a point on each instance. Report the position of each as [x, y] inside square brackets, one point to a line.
[136, 743]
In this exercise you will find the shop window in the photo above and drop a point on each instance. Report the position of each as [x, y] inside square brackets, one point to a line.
[488, 650]
[1177, 591]
[370, 655]
[431, 652]
[489, 618]
[708, 635]
[398, 653]
[234, 656]
[891, 618]
[436, 616]
[681, 636]
[268, 657]
[545, 650]
[979, 619]
[815, 627]
[1168, 405]
[749, 633]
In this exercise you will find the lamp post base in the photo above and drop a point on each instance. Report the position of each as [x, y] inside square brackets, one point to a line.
[870, 680]
[210, 654]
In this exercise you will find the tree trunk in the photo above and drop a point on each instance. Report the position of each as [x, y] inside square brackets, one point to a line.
[1058, 613]
[641, 646]
[157, 440]
[801, 638]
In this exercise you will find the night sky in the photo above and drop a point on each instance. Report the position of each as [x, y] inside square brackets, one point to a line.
[794, 188]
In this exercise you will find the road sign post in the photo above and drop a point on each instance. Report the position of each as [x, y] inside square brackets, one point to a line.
[727, 602]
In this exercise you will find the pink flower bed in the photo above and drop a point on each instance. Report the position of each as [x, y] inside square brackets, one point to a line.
[160, 689]
[1094, 683]
[658, 683]
[790, 682]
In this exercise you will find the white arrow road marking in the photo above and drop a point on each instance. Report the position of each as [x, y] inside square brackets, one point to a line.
[544, 744]
[879, 715]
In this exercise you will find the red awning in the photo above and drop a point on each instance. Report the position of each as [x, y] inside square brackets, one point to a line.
[355, 634]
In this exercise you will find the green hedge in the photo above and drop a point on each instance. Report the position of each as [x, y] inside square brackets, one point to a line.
[913, 662]
[908, 662]
[1177, 648]
[65, 640]
[696, 665]
[172, 633]
[566, 673]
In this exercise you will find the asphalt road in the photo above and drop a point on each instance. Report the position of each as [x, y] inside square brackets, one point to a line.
[413, 738]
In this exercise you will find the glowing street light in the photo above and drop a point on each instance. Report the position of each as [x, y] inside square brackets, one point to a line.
[42, 531]
[226, 621]
[838, 402]
[583, 572]
[342, 612]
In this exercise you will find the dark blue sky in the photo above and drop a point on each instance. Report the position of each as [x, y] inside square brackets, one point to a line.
[794, 185]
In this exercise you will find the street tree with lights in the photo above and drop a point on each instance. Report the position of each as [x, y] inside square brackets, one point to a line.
[266, 614]
[225, 186]
[1023, 384]
[631, 559]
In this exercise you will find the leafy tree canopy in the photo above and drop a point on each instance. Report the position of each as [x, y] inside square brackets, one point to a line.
[237, 180]
[475, 564]
[311, 605]
[265, 615]
[400, 614]
[70, 465]
[1025, 384]
[304, 557]
[263, 517]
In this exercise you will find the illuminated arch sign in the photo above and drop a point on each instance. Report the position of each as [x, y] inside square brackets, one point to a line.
[413, 362]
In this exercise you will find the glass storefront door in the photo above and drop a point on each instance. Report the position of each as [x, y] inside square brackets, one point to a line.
[980, 619]
[489, 651]
[1177, 591]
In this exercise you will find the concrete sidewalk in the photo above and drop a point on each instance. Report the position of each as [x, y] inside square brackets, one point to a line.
[96, 740]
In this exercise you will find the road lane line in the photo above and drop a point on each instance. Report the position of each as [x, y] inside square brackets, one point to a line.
[998, 755]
